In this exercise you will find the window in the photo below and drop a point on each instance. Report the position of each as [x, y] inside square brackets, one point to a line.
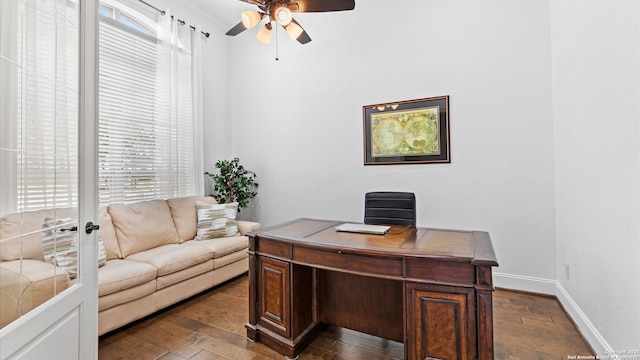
[146, 128]
[38, 105]
[145, 110]
[39, 52]
[110, 13]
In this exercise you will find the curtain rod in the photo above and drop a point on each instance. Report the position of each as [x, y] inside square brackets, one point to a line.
[163, 13]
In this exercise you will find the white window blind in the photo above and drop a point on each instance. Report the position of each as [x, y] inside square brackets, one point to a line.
[145, 110]
[39, 142]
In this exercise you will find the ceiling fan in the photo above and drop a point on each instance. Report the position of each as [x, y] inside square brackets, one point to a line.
[281, 11]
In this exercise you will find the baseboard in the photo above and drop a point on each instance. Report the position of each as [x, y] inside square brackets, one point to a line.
[525, 283]
[554, 288]
[585, 326]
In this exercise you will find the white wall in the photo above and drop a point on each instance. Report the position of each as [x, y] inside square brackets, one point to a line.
[298, 121]
[596, 88]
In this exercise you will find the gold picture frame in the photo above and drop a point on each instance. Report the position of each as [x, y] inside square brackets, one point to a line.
[407, 132]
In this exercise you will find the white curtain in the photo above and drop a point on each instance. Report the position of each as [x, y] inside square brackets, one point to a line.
[198, 112]
[9, 70]
[180, 65]
[39, 104]
[150, 106]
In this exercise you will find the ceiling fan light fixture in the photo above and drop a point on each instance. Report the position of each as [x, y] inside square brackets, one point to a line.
[283, 16]
[250, 18]
[264, 35]
[294, 30]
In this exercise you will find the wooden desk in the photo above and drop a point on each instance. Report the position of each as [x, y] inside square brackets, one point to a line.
[430, 289]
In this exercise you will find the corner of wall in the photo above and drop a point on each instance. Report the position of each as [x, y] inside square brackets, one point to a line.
[554, 288]
[582, 322]
[525, 283]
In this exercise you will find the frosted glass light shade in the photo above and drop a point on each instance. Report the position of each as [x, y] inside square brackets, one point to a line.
[264, 35]
[250, 18]
[283, 16]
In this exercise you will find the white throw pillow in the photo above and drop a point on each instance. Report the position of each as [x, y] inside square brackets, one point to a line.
[60, 245]
[216, 220]
[102, 254]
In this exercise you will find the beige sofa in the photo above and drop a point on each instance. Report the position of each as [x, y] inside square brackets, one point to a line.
[152, 262]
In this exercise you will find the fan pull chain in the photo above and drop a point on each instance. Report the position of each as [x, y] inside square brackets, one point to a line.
[277, 43]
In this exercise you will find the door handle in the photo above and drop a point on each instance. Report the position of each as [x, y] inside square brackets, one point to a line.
[90, 227]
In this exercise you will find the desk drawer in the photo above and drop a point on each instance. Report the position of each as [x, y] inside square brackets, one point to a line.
[441, 271]
[345, 261]
[274, 248]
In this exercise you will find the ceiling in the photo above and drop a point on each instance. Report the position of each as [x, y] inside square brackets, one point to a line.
[226, 11]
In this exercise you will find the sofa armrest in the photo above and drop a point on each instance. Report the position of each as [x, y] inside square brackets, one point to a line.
[25, 284]
[247, 226]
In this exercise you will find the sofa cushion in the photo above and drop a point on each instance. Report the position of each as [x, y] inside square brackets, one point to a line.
[26, 284]
[216, 220]
[117, 275]
[222, 246]
[142, 226]
[13, 246]
[228, 259]
[11, 290]
[108, 235]
[179, 276]
[174, 257]
[185, 216]
[127, 295]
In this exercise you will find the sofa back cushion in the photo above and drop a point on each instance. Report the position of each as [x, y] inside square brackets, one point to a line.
[142, 226]
[29, 222]
[185, 215]
[108, 235]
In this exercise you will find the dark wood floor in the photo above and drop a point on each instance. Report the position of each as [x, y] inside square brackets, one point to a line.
[211, 326]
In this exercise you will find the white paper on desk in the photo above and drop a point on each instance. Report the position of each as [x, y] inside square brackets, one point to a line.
[364, 228]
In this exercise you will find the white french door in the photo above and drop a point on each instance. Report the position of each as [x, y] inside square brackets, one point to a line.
[65, 326]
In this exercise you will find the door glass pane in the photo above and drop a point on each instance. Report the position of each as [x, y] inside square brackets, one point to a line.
[39, 44]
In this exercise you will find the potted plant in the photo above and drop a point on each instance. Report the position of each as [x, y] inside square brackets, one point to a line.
[233, 183]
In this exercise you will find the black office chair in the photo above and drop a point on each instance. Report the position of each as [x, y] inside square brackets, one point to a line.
[390, 208]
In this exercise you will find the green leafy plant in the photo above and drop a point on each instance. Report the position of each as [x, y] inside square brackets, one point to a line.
[233, 183]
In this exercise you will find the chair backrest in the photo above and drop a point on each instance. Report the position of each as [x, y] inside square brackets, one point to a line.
[390, 208]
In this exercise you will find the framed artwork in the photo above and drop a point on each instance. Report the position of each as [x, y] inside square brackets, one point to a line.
[407, 132]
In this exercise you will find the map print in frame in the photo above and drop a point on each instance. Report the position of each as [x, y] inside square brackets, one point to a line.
[413, 131]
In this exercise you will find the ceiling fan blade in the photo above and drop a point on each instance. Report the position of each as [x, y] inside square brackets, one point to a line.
[262, 4]
[304, 38]
[323, 5]
[236, 29]
[296, 32]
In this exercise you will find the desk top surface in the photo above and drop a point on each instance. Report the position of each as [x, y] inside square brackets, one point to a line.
[473, 246]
